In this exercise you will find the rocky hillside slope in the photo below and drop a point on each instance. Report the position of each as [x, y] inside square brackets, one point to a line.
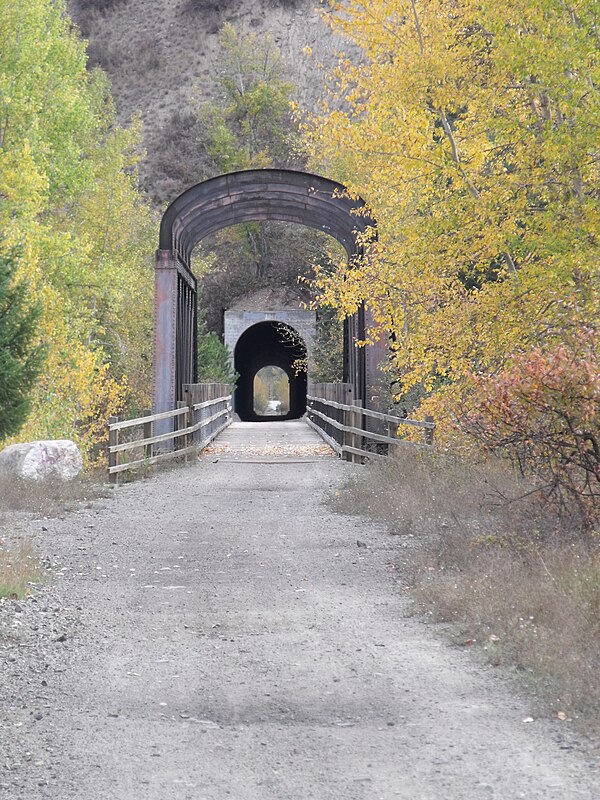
[160, 53]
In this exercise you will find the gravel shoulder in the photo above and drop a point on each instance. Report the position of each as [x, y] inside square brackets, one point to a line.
[216, 632]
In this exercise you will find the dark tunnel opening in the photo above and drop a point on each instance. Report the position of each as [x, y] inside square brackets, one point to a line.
[269, 344]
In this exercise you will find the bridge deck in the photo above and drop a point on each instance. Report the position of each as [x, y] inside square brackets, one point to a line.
[269, 442]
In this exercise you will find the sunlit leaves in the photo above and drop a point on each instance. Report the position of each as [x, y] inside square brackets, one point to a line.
[69, 201]
[472, 130]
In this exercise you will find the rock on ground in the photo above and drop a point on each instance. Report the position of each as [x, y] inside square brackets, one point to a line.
[58, 458]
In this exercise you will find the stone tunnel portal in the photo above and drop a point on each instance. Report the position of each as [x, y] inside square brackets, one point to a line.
[269, 344]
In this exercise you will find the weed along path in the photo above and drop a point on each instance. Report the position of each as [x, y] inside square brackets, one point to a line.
[217, 632]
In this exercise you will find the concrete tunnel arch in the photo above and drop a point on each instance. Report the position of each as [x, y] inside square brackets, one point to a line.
[268, 344]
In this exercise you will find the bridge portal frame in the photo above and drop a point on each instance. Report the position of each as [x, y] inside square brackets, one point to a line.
[231, 199]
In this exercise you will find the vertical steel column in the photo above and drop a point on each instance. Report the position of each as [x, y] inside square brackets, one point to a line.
[166, 279]
[174, 334]
[186, 333]
[376, 357]
[355, 357]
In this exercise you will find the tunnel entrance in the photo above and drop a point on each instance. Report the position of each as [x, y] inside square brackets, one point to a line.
[265, 355]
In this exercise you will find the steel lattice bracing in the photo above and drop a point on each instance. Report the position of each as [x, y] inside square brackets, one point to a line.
[249, 196]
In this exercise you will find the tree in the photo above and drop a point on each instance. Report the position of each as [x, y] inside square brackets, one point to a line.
[68, 182]
[250, 124]
[214, 359]
[21, 356]
[471, 128]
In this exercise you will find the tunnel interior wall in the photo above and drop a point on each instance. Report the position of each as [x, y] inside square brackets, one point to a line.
[264, 345]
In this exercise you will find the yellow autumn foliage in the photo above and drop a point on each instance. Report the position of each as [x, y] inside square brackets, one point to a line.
[72, 211]
[471, 129]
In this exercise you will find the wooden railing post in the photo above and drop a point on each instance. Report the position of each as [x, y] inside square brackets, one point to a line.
[356, 422]
[190, 417]
[345, 436]
[146, 434]
[113, 458]
[352, 418]
[429, 432]
[182, 423]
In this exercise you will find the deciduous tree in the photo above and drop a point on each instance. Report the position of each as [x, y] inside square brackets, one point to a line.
[472, 130]
[71, 205]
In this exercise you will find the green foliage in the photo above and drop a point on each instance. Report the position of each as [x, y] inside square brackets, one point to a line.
[214, 359]
[328, 352]
[70, 204]
[21, 359]
[250, 124]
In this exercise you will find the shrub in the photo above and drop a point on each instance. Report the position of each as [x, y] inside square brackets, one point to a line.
[214, 359]
[544, 412]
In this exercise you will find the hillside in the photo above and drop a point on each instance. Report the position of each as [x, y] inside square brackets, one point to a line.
[160, 53]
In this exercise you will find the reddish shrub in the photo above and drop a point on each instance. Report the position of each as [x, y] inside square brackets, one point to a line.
[544, 412]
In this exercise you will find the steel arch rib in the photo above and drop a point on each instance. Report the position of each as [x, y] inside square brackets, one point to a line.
[270, 194]
[231, 199]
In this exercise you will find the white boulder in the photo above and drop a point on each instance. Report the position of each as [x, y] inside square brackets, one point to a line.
[58, 458]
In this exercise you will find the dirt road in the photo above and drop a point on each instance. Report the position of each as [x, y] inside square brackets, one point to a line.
[216, 632]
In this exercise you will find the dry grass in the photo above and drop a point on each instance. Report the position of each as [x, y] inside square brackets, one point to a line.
[18, 569]
[535, 610]
[513, 581]
[49, 497]
[18, 564]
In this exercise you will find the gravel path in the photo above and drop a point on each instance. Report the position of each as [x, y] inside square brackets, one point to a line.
[216, 632]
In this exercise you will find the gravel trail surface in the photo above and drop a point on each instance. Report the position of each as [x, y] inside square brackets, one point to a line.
[217, 632]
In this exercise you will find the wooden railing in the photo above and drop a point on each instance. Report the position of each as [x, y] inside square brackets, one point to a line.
[184, 431]
[353, 431]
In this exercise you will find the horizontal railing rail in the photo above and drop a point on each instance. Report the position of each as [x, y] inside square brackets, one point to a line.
[131, 423]
[194, 425]
[346, 427]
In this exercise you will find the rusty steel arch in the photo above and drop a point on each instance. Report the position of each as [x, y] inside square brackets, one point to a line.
[231, 199]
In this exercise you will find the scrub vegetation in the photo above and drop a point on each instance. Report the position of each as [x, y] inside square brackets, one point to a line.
[18, 569]
[478, 550]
